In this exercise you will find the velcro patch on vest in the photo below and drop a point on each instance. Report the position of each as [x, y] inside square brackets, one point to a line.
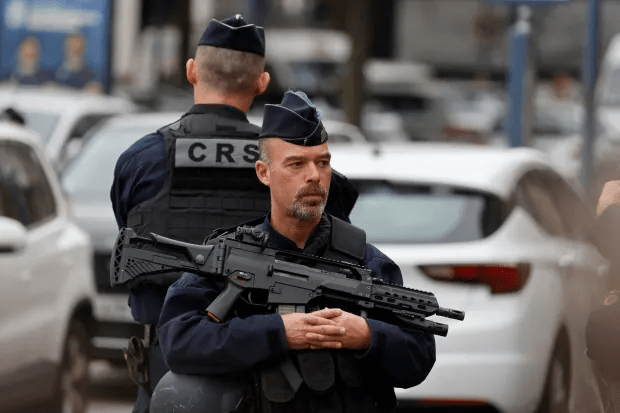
[215, 153]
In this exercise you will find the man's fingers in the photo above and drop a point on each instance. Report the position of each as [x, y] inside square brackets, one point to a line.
[328, 313]
[325, 332]
[326, 344]
[317, 320]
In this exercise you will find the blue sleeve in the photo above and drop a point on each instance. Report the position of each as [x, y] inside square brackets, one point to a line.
[192, 343]
[139, 175]
[401, 356]
[146, 301]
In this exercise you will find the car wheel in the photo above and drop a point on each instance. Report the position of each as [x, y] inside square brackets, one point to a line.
[557, 386]
[72, 393]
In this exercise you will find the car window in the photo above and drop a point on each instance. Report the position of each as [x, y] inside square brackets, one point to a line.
[400, 213]
[403, 102]
[317, 75]
[25, 193]
[86, 123]
[42, 122]
[537, 200]
[92, 172]
[558, 120]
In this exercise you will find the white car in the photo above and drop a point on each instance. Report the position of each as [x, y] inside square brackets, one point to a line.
[47, 284]
[63, 117]
[499, 234]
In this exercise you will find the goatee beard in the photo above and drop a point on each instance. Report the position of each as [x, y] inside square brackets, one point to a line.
[303, 211]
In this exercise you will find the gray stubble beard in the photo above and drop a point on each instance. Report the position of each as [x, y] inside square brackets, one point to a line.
[304, 213]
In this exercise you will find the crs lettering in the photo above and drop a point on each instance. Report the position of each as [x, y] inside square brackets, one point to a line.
[215, 153]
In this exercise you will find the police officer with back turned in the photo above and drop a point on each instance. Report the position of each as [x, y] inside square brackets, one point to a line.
[197, 174]
[321, 360]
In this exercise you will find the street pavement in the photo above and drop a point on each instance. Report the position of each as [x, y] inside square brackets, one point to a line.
[112, 390]
[110, 406]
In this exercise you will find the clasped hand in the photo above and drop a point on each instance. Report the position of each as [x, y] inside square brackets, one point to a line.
[327, 328]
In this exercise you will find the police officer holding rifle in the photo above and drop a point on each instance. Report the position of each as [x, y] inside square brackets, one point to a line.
[325, 360]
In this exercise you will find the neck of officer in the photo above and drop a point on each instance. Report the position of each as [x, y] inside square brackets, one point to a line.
[295, 229]
[203, 95]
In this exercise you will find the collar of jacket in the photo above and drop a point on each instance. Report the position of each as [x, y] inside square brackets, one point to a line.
[221, 110]
[279, 241]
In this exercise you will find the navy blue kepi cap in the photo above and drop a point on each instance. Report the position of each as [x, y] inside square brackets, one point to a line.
[236, 34]
[295, 120]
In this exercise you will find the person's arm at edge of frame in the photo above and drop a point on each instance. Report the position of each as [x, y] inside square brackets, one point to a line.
[404, 357]
[192, 343]
[606, 231]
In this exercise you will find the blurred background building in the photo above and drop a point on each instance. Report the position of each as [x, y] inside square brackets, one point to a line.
[398, 69]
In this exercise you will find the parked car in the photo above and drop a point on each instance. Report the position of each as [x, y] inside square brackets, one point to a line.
[312, 60]
[499, 234]
[88, 180]
[408, 89]
[47, 283]
[63, 117]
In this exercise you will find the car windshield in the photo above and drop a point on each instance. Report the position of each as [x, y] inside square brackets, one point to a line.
[317, 75]
[93, 171]
[401, 213]
[558, 121]
[402, 103]
[42, 122]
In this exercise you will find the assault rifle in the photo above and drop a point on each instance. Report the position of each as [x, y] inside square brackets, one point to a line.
[246, 268]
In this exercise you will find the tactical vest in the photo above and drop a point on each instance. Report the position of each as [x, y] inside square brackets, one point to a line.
[326, 381]
[210, 180]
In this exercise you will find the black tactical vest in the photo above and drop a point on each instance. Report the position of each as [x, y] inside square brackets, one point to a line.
[210, 180]
[326, 381]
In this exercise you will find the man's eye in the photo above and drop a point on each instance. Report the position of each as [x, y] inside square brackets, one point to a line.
[323, 163]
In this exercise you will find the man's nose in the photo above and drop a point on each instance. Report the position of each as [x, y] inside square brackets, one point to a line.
[312, 172]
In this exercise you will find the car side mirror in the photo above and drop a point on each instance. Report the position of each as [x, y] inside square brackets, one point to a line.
[13, 235]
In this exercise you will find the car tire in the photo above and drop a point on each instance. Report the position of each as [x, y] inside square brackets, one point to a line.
[73, 384]
[557, 384]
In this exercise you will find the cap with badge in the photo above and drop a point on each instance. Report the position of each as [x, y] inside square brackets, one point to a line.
[236, 34]
[295, 120]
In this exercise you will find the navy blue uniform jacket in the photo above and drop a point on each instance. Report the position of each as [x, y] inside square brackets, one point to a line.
[193, 344]
[139, 175]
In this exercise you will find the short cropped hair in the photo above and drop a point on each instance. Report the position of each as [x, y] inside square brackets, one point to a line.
[228, 71]
[263, 150]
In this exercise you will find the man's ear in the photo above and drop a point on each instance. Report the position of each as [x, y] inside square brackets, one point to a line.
[263, 172]
[190, 71]
[262, 83]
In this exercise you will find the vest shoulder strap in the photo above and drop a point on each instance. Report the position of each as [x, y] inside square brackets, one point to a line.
[348, 239]
[195, 125]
